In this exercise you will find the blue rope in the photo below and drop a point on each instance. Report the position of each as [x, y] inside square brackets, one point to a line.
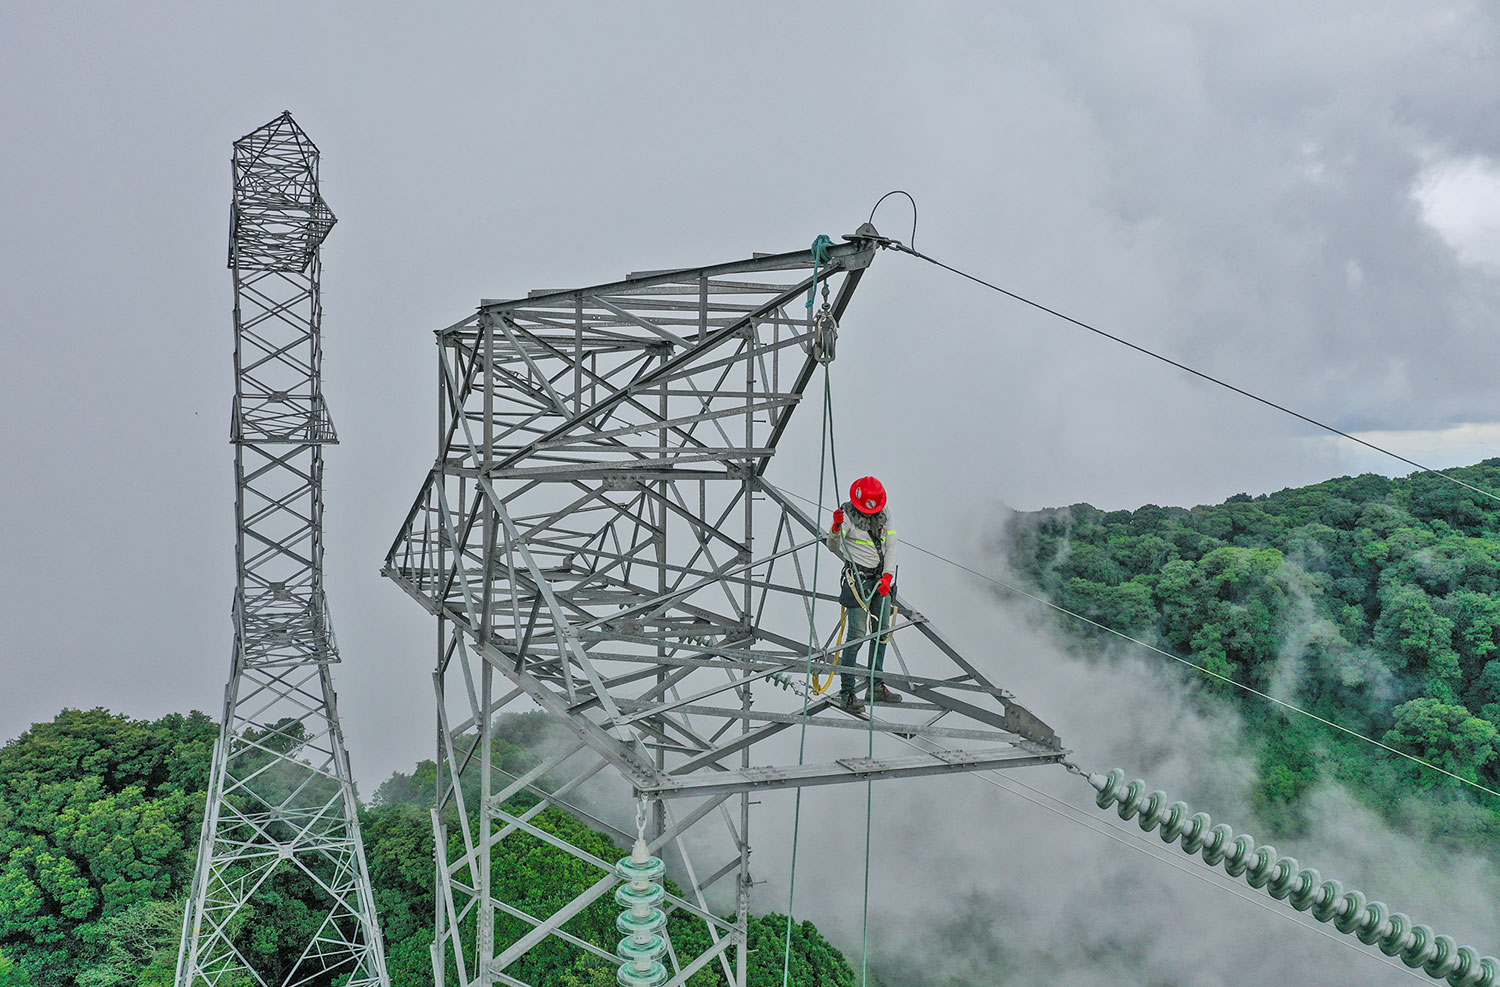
[821, 257]
[828, 458]
[825, 451]
[878, 616]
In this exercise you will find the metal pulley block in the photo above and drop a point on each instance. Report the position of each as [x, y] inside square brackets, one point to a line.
[825, 334]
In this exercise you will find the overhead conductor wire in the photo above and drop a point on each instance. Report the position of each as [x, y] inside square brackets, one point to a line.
[903, 248]
[812, 643]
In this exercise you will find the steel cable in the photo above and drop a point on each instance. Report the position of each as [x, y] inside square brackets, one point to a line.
[903, 248]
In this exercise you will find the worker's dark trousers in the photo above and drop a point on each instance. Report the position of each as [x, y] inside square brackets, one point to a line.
[859, 625]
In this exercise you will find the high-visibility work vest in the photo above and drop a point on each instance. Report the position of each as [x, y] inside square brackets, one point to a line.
[866, 541]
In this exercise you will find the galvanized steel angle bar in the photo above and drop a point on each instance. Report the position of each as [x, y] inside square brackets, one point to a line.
[547, 764]
[276, 353]
[656, 601]
[578, 811]
[278, 681]
[666, 371]
[641, 358]
[653, 425]
[799, 260]
[456, 399]
[794, 660]
[455, 792]
[631, 317]
[705, 530]
[520, 388]
[548, 798]
[457, 572]
[842, 723]
[711, 756]
[586, 897]
[531, 526]
[279, 357]
[718, 945]
[616, 751]
[561, 933]
[565, 631]
[721, 873]
[736, 682]
[271, 305]
[288, 694]
[558, 918]
[488, 324]
[280, 461]
[686, 298]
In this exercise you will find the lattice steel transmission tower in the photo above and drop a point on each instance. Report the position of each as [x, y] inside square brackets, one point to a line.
[281, 814]
[599, 539]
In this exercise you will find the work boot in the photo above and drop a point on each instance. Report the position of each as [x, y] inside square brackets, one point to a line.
[885, 695]
[850, 703]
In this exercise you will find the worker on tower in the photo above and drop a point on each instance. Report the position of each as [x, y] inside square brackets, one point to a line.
[863, 538]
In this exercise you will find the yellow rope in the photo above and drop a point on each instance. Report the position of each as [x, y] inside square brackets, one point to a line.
[838, 652]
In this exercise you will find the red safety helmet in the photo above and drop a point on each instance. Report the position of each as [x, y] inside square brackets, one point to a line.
[867, 494]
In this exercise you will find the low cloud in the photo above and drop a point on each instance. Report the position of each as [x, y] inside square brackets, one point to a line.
[1460, 201]
[970, 885]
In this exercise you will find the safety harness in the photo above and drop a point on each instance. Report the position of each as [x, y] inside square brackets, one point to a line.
[851, 575]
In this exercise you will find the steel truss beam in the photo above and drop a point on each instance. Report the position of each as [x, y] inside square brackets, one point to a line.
[599, 534]
[281, 807]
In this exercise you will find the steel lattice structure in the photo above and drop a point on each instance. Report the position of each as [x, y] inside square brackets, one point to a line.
[281, 811]
[598, 539]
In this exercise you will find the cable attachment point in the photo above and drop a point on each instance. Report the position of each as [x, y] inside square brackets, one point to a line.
[821, 258]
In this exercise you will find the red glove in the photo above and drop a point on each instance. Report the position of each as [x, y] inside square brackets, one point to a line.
[838, 518]
[884, 587]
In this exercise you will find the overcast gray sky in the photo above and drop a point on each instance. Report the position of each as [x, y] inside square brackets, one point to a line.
[1302, 198]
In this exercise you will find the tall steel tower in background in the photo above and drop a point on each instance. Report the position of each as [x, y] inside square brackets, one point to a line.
[599, 539]
[281, 814]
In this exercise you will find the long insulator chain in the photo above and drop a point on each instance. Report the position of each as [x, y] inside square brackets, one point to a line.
[1303, 888]
[643, 922]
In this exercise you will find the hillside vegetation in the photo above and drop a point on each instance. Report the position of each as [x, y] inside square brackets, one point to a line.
[1372, 602]
[99, 825]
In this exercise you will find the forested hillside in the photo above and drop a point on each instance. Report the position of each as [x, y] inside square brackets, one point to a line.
[99, 821]
[1372, 602]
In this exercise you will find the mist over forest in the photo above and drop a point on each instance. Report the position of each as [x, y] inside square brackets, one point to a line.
[1370, 602]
